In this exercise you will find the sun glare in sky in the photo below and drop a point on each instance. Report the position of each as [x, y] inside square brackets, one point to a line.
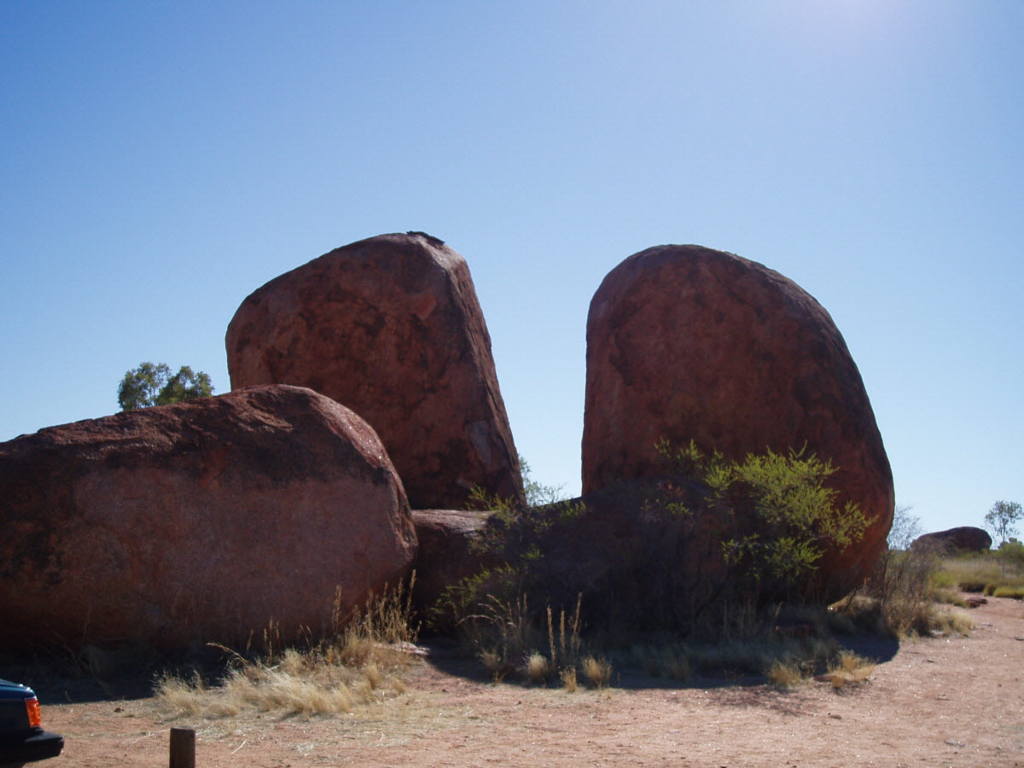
[162, 161]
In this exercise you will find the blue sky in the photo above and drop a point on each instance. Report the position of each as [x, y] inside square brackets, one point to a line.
[162, 160]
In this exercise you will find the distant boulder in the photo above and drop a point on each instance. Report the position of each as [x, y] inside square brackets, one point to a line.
[687, 343]
[963, 539]
[391, 328]
[205, 521]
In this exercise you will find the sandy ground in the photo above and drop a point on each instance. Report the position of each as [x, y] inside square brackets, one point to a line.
[937, 702]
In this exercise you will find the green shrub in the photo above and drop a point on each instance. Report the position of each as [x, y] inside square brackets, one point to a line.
[785, 516]
[709, 545]
[713, 537]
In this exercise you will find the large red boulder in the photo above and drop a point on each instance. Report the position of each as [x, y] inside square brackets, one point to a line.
[391, 328]
[687, 343]
[204, 521]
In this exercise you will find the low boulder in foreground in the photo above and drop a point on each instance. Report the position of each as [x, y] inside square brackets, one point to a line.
[204, 521]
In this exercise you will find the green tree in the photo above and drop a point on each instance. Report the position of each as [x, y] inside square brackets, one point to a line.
[538, 494]
[151, 384]
[1002, 519]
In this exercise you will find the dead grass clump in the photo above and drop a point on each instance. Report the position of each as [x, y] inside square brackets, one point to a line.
[266, 689]
[907, 615]
[507, 637]
[378, 633]
[312, 688]
[359, 664]
[597, 670]
[934, 619]
[849, 669]
[538, 668]
[785, 675]
[502, 633]
[952, 621]
[564, 636]
[569, 680]
[495, 663]
[755, 655]
[191, 697]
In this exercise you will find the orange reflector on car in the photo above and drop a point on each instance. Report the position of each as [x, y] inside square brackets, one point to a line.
[35, 718]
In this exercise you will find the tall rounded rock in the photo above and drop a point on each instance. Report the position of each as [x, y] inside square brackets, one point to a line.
[197, 522]
[390, 327]
[687, 343]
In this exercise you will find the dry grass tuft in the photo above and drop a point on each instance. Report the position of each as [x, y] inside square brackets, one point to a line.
[266, 689]
[538, 668]
[315, 689]
[849, 669]
[598, 671]
[359, 665]
[952, 621]
[903, 615]
[568, 678]
[507, 637]
[785, 675]
[495, 663]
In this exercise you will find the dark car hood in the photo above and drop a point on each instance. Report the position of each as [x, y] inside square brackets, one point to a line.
[9, 690]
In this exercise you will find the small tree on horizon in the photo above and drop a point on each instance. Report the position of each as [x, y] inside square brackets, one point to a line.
[1002, 519]
[150, 385]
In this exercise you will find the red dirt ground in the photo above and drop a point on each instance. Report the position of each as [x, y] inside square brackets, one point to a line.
[939, 701]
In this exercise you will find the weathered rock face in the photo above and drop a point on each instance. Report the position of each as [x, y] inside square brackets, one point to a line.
[963, 539]
[197, 522]
[390, 327]
[684, 343]
[446, 554]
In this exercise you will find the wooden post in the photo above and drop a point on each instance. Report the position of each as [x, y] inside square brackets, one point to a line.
[183, 748]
